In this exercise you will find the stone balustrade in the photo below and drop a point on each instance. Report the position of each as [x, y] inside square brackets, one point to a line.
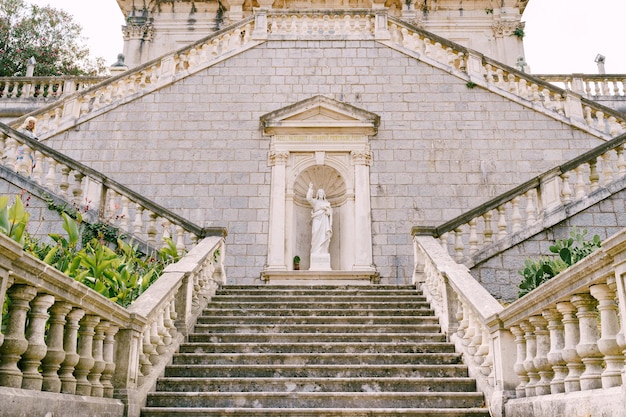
[565, 337]
[589, 85]
[39, 88]
[62, 337]
[307, 24]
[527, 208]
[142, 80]
[90, 192]
[487, 73]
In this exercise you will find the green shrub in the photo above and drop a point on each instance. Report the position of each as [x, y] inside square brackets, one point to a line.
[569, 251]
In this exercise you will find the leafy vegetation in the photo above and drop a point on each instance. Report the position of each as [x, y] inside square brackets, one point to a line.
[49, 35]
[120, 274]
[569, 251]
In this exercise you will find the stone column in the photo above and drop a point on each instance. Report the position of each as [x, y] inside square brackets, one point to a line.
[85, 351]
[587, 347]
[570, 356]
[362, 210]
[276, 244]
[15, 344]
[35, 334]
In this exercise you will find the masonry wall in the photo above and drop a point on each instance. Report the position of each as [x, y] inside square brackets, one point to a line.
[196, 147]
[499, 274]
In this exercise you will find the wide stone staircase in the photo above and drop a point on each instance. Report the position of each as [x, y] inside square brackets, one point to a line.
[316, 351]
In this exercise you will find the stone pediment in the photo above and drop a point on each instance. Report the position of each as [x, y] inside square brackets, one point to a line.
[320, 115]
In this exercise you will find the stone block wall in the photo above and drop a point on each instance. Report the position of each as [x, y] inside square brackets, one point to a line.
[196, 146]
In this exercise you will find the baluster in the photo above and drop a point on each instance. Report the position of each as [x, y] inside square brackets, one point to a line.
[580, 182]
[113, 206]
[108, 354]
[444, 241]
[600, 125]
[164, 335]
[516, 216]
[10, 152]
[555, 357]
[531, 219]
[155, 340]
[610, 326]
[473, 237]
[607, 169]
[458, 244]
[587, 347]
[566, 189]
[15, 343]
[51, 176]
[513, 87]
[85, 351]
[138, 222]
[125, 214]
[168, 323]
[166, 225]
[37, 174]
[35, 334]
[502, 233]
[621, 164]
[518, 367]
[489, 74]
[614, 126]
[569, 353]
[594, 176]
[56, 354]
[588, 116]
[148, 351]
[77, 190]
[180, 240]
[97, 389]
[541, 363]
[500, 82]
[70, 338]
[64, 185]
[535, 96]
[529, 361]
[152, 230]
[488, 229]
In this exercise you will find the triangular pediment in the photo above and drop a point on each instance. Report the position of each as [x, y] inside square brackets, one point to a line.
[320, 114]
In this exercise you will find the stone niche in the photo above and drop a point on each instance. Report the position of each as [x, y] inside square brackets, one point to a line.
[324, 142]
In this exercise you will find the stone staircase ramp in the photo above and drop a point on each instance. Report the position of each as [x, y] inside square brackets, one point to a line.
[316, 351]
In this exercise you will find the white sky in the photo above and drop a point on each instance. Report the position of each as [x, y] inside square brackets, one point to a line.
[562, 36]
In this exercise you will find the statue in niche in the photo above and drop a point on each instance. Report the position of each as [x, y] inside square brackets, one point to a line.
[322, 221]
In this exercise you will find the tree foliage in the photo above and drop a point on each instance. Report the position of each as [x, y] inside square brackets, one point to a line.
[49, 35]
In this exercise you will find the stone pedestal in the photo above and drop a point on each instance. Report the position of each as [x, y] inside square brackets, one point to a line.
[320, 262]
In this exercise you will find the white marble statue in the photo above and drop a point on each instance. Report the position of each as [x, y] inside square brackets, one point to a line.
[322, 221]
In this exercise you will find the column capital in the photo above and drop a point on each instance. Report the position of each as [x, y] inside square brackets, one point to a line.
[278, 158]
[363, 157]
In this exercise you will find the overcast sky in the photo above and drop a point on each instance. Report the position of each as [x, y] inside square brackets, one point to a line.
[562, 36]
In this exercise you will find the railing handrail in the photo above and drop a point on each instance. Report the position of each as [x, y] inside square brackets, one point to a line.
[112, 184]
[534, 182]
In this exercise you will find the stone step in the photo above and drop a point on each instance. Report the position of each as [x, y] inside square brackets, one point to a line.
[318, 371]
[369, 291]
[378, 384]
[316, 328]
[313, 288]
[320, 305]
[317, 320]
[266, 312]
[361, 400]
[313, 299]
[316, 337]
[315, 412]
[328, 347]
[316, 358]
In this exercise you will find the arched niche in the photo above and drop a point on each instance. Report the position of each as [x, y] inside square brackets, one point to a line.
[326, 142]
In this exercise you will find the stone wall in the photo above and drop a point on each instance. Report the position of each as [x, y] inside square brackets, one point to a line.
[196, 146]
[499, 274]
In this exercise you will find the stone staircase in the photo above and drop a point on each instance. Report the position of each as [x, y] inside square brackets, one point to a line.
[316, 351]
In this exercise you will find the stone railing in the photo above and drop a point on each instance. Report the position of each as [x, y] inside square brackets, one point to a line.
[308, 24]
[85, 104]
[589, 85]
[37, 88]
[564, 337]
[91, 192]
[487, 73]
[528, 208]
[61, 337]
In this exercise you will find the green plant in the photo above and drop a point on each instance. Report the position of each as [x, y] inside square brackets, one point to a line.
[296, 259]
[13, 219]
[470, 84]
[519, 32]
[569, 251]
[489, 11]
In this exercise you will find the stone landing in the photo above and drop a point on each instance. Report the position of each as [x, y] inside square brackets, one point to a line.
[320, 277]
